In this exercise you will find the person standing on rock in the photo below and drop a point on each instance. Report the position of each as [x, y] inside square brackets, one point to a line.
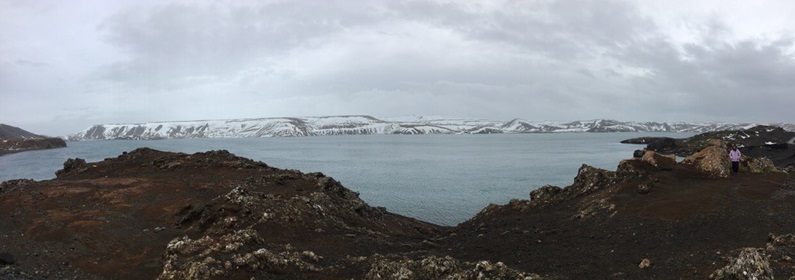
[734, 155]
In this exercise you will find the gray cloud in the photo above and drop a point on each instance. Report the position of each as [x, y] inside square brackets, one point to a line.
[559, 60]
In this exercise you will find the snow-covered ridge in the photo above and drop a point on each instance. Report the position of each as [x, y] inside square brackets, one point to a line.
[357, 125]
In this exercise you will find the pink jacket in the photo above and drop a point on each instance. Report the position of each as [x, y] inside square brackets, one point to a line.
[734, 155]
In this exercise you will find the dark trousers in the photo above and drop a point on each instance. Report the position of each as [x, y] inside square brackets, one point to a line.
[735, 166]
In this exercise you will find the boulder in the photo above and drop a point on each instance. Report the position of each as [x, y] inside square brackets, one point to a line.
[71, 164]
[751, 263]
[634, 169]
[713, 160]
[645, 187]
[644, 263]
[590, 179]
[433, 267]
[664, 162]
[638, 153]
[545, 194]
[757, 165]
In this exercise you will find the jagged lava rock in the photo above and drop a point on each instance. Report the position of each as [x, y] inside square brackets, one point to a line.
[603, 224]
[757, 165]
[751, 263]
[433, 267]
[148, 214]
[713, 160]
[29, 144]
[664, 162]
[71, 165]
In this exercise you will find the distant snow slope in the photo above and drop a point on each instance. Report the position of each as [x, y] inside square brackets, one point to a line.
[356, 125]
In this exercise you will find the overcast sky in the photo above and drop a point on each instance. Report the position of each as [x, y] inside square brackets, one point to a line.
[66, 65]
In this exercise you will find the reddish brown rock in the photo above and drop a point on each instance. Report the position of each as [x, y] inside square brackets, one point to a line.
[713, 160]
[664, 162]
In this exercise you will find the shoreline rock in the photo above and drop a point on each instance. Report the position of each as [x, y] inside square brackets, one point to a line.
[10, 146]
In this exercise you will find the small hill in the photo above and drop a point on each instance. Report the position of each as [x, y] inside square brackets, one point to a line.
[8, 132]
[14, 139]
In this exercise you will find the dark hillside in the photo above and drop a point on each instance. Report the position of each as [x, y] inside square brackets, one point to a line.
[8, 132]
[14, 139]
[760, 141]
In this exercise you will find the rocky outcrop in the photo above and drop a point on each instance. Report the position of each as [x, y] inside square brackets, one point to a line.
[589, 179]
[751, 263]
[658, 218]
[71, 165]
[230, 254]
[661, 161]
[148, 214]
[433, 267]
[713, 160]
[757, 165]
[8, 132]
[769, 262]
[14, 139]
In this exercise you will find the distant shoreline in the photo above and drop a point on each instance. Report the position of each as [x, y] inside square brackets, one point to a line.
[31, 144]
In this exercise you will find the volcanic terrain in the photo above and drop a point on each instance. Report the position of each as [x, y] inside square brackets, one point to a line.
[150, 214]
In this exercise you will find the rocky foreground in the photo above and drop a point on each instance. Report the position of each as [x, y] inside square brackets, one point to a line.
[156, 215]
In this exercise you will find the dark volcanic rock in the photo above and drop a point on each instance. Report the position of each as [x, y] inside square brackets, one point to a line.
[713, 160]
[6, 258]
[782, 155]
[605, 223]
[70, 165]
[386, 267]
[663, 162]
[149, 214]
[749, 264]
[8, 132]
[545, 195]
[645, 187]
[770, 262]
[664, 145]
[29, 144]
[14, 139]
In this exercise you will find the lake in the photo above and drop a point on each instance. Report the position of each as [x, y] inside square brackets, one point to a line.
[443, 179]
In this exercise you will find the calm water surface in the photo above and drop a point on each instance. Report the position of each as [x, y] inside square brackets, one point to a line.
[444, 179]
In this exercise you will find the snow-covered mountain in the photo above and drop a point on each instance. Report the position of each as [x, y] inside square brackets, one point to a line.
[356, 125]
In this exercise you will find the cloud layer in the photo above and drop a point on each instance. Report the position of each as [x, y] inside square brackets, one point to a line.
[86, 62]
